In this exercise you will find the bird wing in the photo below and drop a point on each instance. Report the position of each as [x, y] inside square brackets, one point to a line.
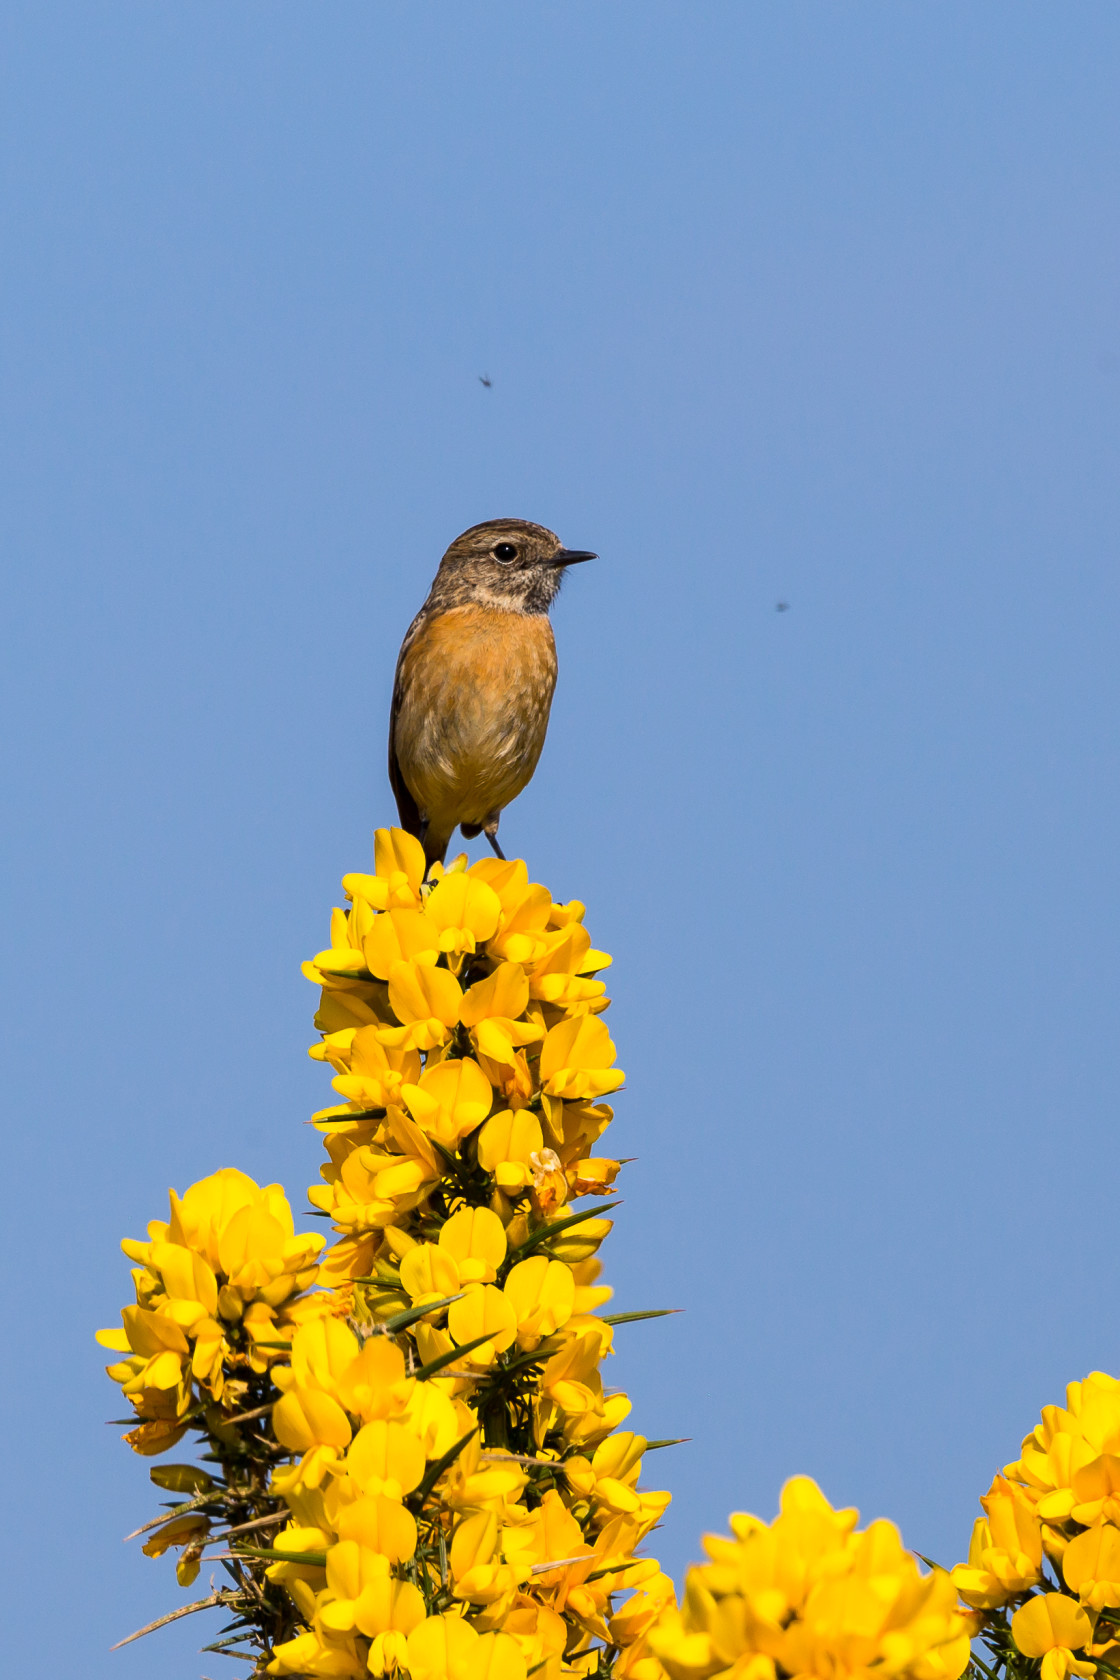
[407, 807]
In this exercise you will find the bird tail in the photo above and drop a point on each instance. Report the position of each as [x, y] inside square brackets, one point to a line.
[434, 844]
[407, 809]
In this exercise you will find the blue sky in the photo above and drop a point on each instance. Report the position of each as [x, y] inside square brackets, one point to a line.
[780, 301]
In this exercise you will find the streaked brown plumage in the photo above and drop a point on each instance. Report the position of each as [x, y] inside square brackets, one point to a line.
[474, 682]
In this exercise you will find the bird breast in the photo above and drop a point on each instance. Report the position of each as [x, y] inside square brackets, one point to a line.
[476, 685]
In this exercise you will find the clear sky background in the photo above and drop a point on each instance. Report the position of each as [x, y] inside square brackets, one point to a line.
[782, 300]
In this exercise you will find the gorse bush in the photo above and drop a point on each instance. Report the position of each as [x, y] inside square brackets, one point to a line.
[409, 1457]
[407, 1461]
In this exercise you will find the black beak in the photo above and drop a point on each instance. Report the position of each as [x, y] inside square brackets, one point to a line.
[572, 556]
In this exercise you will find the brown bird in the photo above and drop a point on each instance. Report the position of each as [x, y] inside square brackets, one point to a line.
[474, 682]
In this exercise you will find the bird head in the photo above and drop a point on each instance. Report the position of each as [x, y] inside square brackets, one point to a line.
[507, 563]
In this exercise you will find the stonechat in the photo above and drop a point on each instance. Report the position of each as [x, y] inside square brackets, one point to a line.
[474, 682]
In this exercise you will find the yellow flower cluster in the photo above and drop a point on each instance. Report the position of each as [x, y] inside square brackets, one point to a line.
[447, 1004]
[216, 1289]
[419, 1468]
[809, 1595]
[416, 1546]
[1058, 1507]
[463, 1503]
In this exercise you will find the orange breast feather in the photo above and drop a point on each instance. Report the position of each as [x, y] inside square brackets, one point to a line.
[476, 688]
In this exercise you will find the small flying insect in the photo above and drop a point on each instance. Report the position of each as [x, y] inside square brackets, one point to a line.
[485, 379]
[781, 606]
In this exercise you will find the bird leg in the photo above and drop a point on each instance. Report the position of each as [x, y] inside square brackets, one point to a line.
[490, 830]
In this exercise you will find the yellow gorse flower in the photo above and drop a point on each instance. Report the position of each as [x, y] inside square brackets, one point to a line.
[1053, 1627]
[1005, 1557]
[807, 1595]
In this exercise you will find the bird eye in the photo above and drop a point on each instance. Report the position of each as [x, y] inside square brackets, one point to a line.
[506, 552]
